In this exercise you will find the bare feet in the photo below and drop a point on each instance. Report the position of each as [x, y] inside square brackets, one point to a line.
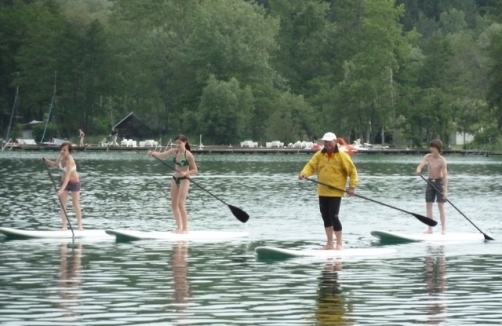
[338, 247]
[443, 231]
[176, 231]
[327, 247]
[428, 231]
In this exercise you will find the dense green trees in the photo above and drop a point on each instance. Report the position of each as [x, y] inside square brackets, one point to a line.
[394, 71]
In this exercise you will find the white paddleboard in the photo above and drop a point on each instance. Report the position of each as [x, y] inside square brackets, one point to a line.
[278, 253]
[12, 233]
[398, 237]
[128, 235]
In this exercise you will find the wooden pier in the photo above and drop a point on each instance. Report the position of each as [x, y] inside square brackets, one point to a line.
[210, 149]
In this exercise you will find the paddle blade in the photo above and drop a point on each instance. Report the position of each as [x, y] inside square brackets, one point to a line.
[426, 220]
[487, 237]
[239, 213]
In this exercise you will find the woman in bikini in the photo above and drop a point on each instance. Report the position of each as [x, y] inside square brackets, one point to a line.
[70, 183]
[185, 167]
[81, 136]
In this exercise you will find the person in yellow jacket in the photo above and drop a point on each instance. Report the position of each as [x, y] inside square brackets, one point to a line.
[332, 167]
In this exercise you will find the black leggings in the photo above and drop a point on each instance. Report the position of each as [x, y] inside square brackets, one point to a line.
[330, 207]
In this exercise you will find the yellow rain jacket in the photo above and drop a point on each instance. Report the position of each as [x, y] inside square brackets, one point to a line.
[333, 171]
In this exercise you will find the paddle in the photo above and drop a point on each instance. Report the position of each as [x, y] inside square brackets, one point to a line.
[60, 201]
[433, 186]
[238, 213]
[421, 218]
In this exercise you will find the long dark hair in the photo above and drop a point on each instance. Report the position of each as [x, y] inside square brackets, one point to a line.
[183, 138]
[67, 144]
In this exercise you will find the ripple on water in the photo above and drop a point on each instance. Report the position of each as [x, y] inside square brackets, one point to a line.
[160, 283]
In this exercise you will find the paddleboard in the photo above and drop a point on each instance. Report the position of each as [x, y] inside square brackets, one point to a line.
[12, 233]
[278, 253]
[397, 237]
[129, 235]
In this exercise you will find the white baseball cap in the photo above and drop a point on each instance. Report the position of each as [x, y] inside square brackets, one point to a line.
[329, 136]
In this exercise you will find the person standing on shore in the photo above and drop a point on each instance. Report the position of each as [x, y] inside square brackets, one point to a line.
[113, 136]
[70, 183]
[332, 167]
[185, 167]
[81, 136]
[437, 182]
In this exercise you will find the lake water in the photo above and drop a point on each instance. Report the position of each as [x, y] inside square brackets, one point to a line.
[89, 282]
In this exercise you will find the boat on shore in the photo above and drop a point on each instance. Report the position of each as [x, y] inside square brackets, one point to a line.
[226, 149]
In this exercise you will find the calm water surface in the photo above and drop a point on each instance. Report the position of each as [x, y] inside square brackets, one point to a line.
[90, 282]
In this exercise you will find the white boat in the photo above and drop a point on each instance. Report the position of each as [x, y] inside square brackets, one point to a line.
[274, 143]
[56, 142]
[356, 144]
[249, 143]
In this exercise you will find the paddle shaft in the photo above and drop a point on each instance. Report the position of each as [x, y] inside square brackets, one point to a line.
[421, 218]
[237, 212]
[458, 210]
[60, 201]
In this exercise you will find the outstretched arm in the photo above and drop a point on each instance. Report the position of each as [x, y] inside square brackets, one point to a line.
[50, 163]
[310, 167]
[422, 163]
[162, 154]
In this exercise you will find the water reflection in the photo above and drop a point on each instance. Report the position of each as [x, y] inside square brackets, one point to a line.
[134, 284]
[435, 281]
[330, 304]
[69, 277]
[179, 269]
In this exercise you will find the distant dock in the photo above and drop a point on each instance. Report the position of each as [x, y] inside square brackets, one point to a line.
[211, 149]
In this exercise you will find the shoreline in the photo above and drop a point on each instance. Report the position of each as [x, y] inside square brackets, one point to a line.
[222, 149]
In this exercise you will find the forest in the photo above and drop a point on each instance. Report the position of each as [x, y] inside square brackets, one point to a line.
[399, 72]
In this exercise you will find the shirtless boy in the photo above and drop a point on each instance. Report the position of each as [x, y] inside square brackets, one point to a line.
[437, 185]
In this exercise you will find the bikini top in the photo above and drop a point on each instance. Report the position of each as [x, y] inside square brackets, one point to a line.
[183, 162]
[64, 168]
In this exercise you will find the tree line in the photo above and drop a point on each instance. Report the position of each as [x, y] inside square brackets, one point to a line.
[386, 71]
